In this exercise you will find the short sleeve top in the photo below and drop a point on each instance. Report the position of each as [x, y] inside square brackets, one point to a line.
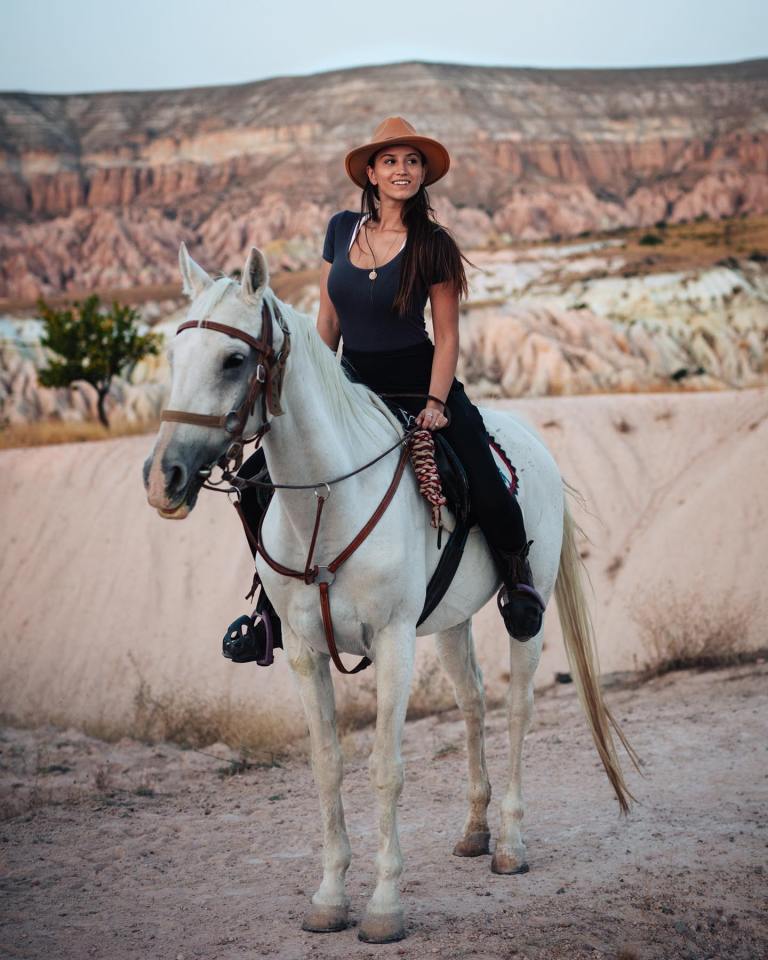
[365, 307]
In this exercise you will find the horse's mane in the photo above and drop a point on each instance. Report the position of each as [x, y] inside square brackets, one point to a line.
[355, 407]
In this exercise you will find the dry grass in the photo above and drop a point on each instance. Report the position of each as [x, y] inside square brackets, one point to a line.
[102, 779]
[44, 432]
[36, 797]
[688, 632]
[194, 721]
[197, 722]
[685, 246]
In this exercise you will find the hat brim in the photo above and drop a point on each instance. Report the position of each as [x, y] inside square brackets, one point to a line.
[438, 159]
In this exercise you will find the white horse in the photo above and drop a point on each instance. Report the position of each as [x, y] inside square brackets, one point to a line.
[330, 426]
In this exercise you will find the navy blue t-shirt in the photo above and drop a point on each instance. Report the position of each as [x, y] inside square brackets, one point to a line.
[364, 306]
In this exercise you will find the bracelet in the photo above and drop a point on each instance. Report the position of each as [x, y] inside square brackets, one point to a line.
[437, 400]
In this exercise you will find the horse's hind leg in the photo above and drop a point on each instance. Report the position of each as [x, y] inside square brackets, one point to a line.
[510, 856]
[457, 654]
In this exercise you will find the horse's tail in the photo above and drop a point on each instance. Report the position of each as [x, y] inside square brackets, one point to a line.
[582, 658]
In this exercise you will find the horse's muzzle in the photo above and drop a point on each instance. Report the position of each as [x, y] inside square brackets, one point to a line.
[172, 485]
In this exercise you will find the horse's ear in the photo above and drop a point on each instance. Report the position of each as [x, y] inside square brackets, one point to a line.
[194, 279]
[255, 276]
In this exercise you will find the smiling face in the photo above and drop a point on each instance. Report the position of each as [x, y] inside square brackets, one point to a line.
[398, 171]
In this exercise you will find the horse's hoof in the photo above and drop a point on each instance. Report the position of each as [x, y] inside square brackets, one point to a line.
[507, 865]
[473, 845]
[382, 928]
[322, 919]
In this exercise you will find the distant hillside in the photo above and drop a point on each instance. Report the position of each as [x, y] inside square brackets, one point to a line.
[97, 190]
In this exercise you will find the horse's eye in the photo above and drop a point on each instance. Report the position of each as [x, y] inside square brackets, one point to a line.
[234, 361]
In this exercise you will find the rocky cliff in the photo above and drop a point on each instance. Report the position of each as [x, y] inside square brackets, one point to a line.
[97, 190]
[554, 320]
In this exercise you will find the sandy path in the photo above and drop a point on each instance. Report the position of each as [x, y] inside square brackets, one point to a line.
[169, 860]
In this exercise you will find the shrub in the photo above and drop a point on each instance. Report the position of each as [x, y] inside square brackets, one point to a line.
[92, 345]
[690, 632]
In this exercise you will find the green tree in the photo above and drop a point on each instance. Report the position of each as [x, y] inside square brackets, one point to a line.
[92, 345]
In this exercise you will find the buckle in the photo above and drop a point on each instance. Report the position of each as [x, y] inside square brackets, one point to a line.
[235, 451]
[261, 373]
[324, 575]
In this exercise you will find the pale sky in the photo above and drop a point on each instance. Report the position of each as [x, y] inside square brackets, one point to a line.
[65, 46]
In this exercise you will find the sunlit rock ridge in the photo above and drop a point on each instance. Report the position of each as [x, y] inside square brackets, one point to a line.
[98, 189]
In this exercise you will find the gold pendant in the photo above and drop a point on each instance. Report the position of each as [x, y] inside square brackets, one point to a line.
[372, 275]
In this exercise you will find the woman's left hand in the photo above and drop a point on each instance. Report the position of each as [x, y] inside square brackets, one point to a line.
[431, 418]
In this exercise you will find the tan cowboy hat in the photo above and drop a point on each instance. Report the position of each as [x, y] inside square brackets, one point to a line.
[395, 130]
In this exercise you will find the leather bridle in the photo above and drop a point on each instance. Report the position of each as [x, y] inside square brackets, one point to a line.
[265, 381]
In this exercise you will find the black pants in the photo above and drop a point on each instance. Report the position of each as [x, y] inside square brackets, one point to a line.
[409, 370]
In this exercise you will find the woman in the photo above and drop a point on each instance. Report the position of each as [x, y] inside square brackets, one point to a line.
[379, 268]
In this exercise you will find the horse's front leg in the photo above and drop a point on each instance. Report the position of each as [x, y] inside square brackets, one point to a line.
[330, 905]
[384, 921]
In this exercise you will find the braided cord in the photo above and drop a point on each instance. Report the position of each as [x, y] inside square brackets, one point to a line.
[425, 468]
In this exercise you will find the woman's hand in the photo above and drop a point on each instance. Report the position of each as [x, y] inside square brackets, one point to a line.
[431, 417]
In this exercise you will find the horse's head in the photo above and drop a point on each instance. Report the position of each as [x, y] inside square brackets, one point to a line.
[222, 363]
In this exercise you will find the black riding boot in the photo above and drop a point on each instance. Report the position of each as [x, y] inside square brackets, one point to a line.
[252, 638]
[519, 603]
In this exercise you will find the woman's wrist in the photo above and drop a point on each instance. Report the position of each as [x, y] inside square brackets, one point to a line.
[432, 400]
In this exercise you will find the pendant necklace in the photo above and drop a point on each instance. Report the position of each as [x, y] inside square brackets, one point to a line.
[373, 274]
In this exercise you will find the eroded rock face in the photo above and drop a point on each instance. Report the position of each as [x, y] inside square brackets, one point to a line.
[533, 327]
[98, 190]
[539, 329]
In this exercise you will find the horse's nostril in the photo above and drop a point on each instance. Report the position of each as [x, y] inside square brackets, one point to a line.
[177, 478]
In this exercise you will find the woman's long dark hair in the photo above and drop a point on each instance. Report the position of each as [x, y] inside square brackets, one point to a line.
[431, 252]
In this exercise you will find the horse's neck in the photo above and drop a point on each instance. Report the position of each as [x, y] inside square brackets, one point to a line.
[308, 444]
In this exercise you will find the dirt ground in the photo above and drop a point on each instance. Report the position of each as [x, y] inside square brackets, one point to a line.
[127, 850]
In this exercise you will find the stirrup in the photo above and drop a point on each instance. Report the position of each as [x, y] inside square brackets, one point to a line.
[520, 603]
[522, 610]
[250, 638]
